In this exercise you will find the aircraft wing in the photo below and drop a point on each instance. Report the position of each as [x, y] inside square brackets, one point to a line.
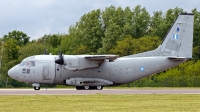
[84, 62]
[102, 57]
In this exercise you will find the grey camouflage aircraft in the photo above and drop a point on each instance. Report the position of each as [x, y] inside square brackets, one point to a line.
[96, 71]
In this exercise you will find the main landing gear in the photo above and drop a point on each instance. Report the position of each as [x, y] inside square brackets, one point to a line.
[89, 87]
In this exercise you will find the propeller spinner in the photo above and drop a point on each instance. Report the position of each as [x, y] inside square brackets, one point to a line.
[60, 61]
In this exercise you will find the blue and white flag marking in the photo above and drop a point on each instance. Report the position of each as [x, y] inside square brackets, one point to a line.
[175, 37]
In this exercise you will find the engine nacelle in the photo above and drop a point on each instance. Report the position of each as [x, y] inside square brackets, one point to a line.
[88, 82]
[79, 63]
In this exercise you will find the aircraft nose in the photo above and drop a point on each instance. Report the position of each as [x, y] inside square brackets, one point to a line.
[12, 73]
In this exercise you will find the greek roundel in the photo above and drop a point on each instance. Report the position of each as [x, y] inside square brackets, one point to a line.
[141, 69]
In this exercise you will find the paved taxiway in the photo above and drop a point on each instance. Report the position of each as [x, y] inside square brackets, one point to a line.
[87, 92]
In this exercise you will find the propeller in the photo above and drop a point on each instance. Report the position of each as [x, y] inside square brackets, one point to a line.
[60, 61]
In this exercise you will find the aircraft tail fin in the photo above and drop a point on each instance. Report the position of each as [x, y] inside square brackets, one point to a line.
[179, 40]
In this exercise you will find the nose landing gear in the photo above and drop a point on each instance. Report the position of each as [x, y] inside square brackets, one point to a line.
[36, 86]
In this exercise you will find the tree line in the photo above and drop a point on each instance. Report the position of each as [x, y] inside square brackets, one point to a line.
[114, 30]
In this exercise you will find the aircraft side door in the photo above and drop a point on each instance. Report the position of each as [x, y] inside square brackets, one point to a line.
[48, 73]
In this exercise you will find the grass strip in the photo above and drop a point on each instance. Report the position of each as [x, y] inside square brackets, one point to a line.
[99, 102]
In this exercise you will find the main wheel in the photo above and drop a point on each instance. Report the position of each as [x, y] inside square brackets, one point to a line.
[36, 88]
[86, 87]
[99, 87]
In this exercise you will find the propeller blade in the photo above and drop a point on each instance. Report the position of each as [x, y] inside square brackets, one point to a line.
[60, 61]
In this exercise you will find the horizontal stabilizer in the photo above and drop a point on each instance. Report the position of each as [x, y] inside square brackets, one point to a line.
[177, 58]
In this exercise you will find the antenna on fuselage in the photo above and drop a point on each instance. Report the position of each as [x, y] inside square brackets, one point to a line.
[45, 52]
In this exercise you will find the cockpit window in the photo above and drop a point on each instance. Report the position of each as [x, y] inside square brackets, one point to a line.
[32, 63]
[22, 63]
[28, 63]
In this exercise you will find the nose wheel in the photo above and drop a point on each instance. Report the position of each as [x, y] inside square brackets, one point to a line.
[36, 88]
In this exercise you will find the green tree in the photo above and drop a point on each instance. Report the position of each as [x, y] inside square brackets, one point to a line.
[129, 45]
[33, 48]
[169, 19]
[124, 47]
[113, 19]
[196, 42]
[55, 40]
[140, 22]
[88, 32]
[119, 23]
[51, 40]
[157, 25]
[82, 49]
[196, 27]
[146, 44]
[20, 37]
[160, 23]
[11, 49]
[67, 44]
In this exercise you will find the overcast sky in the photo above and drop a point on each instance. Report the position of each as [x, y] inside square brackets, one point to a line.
[39, 17]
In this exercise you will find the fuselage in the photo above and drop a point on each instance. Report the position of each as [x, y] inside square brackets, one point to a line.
[43, 69]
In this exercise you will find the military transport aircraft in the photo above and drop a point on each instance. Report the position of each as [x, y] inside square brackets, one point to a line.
[96, 71]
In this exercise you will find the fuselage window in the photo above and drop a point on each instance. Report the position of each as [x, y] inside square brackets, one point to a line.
[23, 70]
[32, 63]
[28, 63]
[28, 71]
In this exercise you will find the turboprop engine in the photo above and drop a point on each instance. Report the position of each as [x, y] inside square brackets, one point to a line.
[76, 63]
